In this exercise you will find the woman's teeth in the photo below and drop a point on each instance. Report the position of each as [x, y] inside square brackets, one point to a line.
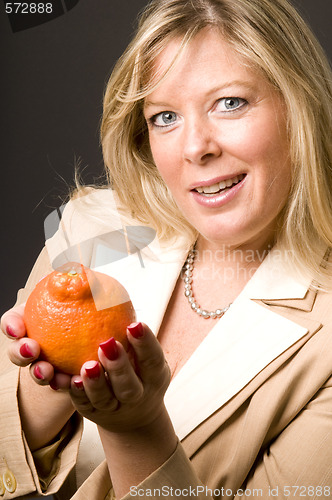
[216, 188]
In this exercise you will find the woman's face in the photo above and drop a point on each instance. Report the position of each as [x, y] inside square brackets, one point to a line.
[217, 132]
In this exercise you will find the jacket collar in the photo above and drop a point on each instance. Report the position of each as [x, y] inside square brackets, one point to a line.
[274, 279]
[275, 284]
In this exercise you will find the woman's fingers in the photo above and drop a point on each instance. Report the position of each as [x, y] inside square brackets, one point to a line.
[97, 387]
[118, 394]
[12, 323]
[126, 385]
[60, 381]
[149, 356]
[23, 351]
[92, 394]
[42, 372]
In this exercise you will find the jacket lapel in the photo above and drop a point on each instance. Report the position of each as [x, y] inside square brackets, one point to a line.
[243, 342]
[193, 440]
[149, 278]
[306, 304]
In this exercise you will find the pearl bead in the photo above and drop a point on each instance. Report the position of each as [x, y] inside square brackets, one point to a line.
[188, 273]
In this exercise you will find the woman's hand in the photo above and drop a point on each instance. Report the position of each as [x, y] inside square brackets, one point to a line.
[24, 351]
[127, 405]
[114, 394]
[43, 413]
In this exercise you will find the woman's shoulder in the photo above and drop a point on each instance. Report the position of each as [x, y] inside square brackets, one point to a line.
[93, 212]
[92, 222]
[95, 204]
[71, 230]
[89, 212]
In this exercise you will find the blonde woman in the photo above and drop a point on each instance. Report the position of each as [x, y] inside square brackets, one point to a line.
[216, 134]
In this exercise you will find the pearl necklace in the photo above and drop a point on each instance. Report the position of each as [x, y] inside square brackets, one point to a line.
[188, 280]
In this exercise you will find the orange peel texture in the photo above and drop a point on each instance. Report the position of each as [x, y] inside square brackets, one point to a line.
[72, 310]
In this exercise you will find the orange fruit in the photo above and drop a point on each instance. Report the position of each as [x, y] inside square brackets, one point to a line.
[72, 310]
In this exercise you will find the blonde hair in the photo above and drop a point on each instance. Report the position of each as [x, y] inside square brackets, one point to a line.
[275, 40]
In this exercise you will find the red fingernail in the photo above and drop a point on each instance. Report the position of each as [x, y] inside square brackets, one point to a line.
[37, 373]
[110, 349]
[25, 351]
[10, 332]
[136, 330]
[78, 384]
[93, 371]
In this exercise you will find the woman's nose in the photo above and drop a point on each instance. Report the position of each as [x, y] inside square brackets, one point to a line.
[200, 143]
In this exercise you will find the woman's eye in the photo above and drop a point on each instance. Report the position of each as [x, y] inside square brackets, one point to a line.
[164, 119]
[227, 104]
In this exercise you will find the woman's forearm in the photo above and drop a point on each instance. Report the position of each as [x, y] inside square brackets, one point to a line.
[133, 456]
[44, 412]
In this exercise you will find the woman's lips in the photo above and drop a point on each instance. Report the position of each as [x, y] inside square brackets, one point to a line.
[219, 193]
[219, 186]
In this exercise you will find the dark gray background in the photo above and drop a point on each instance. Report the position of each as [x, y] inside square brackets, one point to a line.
[52, 81]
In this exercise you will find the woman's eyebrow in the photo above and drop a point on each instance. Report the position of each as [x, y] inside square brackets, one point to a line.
[148, 104]
[247, 84]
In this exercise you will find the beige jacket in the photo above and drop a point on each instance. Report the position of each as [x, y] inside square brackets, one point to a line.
[252, 407]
